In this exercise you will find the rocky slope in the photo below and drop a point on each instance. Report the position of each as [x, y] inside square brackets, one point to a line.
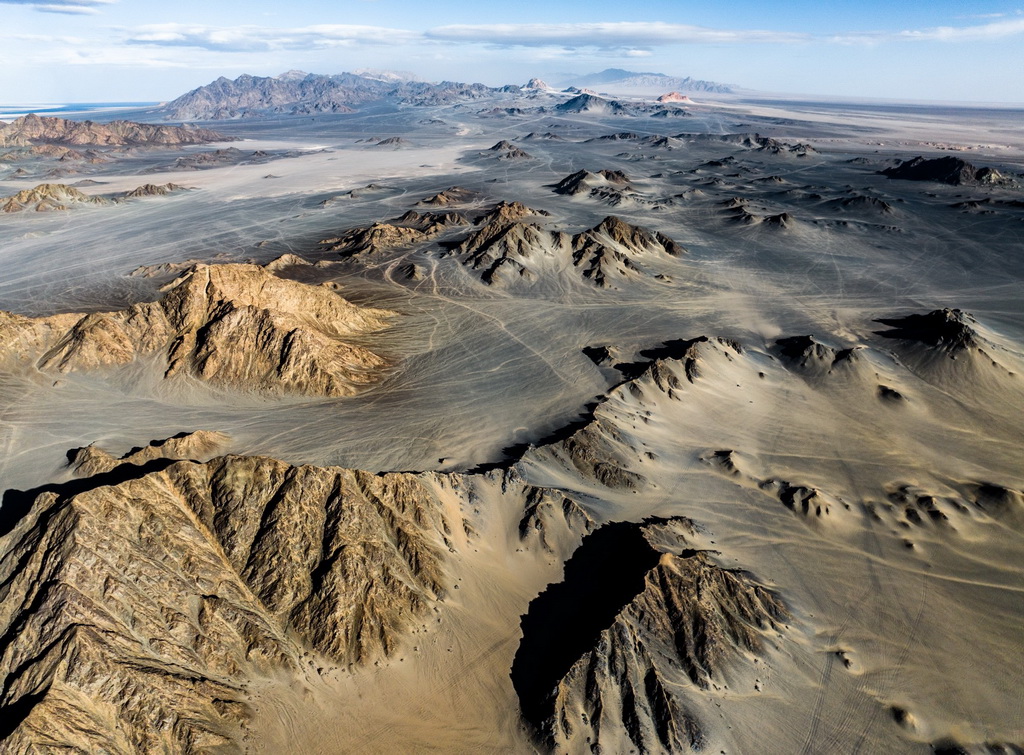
[638, 622]
[408, 230]
[35, 129]
[235, 326]
[505, 249]
[585, 182]
[48, 198]
[589, 103]
[60, 197]
[140, 603]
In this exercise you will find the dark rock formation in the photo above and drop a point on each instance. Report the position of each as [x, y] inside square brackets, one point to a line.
[948, 170]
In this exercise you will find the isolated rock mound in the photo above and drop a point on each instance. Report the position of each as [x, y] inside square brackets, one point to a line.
[584, 182]
[674, 97]
[589, 103]
[393, 142]
[44, 129]
[408, 230]
[235, 326]
[48, 198]
[948, 170]
[140, 603]
[59, 197]
[504, 250]
[508, 212]
[452, 195]
[154, 190]
[508, 151]
[755, 142]
[637, 618]
[948, 329]
[811, 357]
[862, 203]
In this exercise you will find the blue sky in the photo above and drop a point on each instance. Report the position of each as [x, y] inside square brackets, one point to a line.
[135, 50]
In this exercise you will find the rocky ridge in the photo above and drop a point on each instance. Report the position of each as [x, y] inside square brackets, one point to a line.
[236, 326]
[35, 129]
[140, 602]
[948, 170]
[505, 250]
[61, 197]
[408, 230]
[648, 622]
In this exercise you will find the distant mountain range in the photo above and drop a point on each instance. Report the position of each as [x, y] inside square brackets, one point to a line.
[301, 93]
[617, 79]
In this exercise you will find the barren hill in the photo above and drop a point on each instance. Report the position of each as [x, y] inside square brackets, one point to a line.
[35, 129]
[236, 326]
[141, 603]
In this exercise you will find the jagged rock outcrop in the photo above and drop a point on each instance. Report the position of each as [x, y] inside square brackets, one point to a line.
[811, 357]
[584, 182]
[737, 211]
[948, 170]
[139, 603]
[551, 518]
[607, 653]
[199, 445]
[48, 198]
[393, 142]
[862, 203]
[592, 104]
[408, 230]
[504, 250]
[235, 326]
[674, 97]
[154, 190]
[754, 142]
[59, 152]
[452, 195]
[947, 329]
[508, 151]
[374, 238]
[508, 212]
[32, 129]
[59, 197]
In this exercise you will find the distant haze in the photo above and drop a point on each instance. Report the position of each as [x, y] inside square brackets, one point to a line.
[116, 50]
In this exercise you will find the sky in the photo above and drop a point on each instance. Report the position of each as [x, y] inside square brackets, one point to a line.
[58, 51]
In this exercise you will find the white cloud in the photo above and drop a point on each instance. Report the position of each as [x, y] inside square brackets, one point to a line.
[983, 32]
[979, 33]
[258, 38]
[74, 7]
[627, 39]
[623, 34]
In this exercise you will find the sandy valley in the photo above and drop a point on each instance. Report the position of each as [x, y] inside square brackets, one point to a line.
[502, 425]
